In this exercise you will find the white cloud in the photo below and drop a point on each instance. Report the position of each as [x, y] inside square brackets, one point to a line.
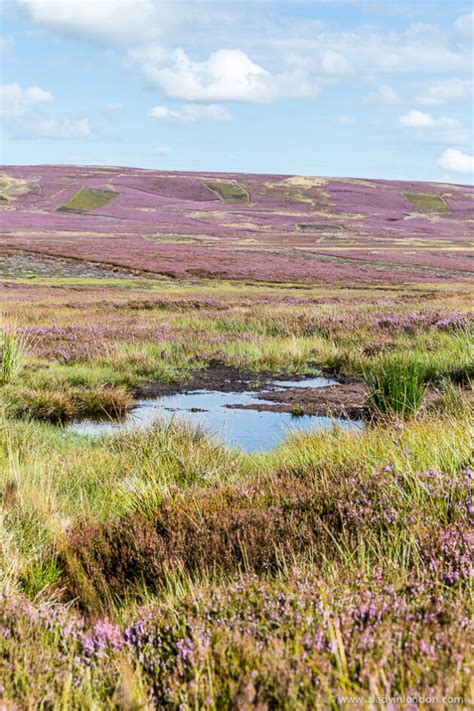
[385, 94]
[227, 75]
[465, 24]
[15, 101]
[453, 90]
[457, 162]
[161, 150]
[191, 112]
[7, 43]
[420, 119]
[113, 105]
[22, 119]
[64, 129]
[334, 63]
[346, 120]
[106, 22]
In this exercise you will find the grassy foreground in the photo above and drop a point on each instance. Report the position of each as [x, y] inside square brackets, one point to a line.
[160, 570]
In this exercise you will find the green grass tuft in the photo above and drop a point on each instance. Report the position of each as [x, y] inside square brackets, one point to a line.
[396, 386]
[13, 350]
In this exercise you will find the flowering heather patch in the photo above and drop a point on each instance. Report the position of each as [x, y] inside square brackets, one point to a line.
[86, 343]
[411, 322]
[269, 519]
[247, 643]
[370, 225]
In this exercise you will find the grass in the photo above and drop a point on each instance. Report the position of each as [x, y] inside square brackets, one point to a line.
[13, 352]
[87, 199]
[164, 340]
[396, 387]
[429, 203]
[159, 569]
[230, 191]
[60, 407]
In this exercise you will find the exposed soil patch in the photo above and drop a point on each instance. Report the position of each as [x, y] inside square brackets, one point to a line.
[320, 227]
[217, 377]
[23, 264]
[345, 400]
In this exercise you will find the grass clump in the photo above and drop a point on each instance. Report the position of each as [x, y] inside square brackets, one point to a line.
[395, 387]
[55, 406]
[13, 351]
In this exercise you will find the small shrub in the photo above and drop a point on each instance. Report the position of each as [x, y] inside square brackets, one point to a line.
[256, 528]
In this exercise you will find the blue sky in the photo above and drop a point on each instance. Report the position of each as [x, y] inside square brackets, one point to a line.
[368, 88]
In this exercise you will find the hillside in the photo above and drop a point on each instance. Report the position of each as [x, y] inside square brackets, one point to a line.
[234, 226]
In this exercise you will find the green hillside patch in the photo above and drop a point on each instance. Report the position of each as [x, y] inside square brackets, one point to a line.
[429, 203]
[230, 191]
[87, 199]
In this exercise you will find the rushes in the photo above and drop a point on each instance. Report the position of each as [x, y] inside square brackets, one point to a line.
[13, 351]
[396, 386]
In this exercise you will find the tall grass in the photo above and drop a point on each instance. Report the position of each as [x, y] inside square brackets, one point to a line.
[396, 386]
[13, 351]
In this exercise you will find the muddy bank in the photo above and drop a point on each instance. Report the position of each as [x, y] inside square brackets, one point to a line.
[344, 399]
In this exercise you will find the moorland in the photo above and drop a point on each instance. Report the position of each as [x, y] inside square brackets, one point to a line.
[161, 567]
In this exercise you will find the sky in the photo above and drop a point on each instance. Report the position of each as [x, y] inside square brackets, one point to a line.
[348, 88]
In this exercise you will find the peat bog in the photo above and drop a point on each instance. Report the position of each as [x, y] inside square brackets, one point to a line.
[253, 419]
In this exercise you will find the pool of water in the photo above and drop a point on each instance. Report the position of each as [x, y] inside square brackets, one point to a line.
[306, 383]
[221, 414]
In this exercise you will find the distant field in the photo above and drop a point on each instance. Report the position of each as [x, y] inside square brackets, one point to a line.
[434, 203]
[88, 199]
[230, 192]
[232, 226]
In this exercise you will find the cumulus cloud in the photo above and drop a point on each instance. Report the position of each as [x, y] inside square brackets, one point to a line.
[191, 112]
[452, 90]
[14, 100]
[384, 94]
[420, 119]
[7, 43]
[19, 109]
[161, 150]
[36, 127]
[457, 162]
[334, 63]
[104, 22]
[346, 120]
[113, 106]
[226, 75]
[465, 24]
